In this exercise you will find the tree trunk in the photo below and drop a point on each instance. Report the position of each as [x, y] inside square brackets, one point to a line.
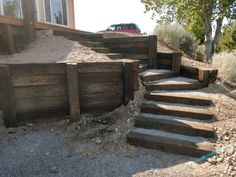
[219, 23]
[207, 12]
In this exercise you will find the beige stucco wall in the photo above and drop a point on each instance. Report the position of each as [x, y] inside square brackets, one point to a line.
[70, 12]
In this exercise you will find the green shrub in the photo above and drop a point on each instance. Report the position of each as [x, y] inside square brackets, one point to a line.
[177, 36]
[225, 62]
[227, 40]
[200, 53]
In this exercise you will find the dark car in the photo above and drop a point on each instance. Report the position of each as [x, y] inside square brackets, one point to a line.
[124, 27]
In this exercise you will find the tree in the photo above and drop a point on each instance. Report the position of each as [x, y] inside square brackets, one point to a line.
[196, 15]
[227, 40]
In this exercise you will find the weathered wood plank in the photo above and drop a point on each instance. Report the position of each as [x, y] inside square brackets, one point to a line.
[7, 39]
[124, 45]
[152, 52]
[101, 98]
[37, 80]
[130, 50]
[164, 62]
[28, 7]
[100, 67]
[73, 88]
[42, 113]
[138, 56]
[100, 77]
[176, 62]
[100, 108]
[128, 82]
[203, 76]
[7, 100]
[100, 87]
[38, 69]
[126, 39]
[40, 91]
[28, 104]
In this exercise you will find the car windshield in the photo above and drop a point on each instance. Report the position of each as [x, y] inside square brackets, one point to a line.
[112, 28]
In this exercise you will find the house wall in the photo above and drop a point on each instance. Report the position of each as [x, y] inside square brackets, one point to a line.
[70, 12]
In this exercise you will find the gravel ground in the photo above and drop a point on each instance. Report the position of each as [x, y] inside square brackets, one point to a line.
[45, 153]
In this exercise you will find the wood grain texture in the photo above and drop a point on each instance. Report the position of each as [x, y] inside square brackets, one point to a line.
[73, 89]
[7, 39]
[7, 100]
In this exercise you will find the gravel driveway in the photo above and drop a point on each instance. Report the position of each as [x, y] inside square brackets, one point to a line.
[45, 153]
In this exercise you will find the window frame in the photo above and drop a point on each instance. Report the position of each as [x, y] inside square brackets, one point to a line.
[45, 18]
[2, 9]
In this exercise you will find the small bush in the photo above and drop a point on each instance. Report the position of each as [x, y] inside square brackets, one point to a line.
[225, 62]
[200, 53]
[178, 37]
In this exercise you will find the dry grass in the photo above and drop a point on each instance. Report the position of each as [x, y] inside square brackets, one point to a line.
[226, 64]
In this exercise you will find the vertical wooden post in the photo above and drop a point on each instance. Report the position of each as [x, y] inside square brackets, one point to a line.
[152, 52]
[8, 40]
[28, 7]
[128, 86]
[176, 62]
[73, 89]
[7, 101]
[203, 76]
[135, 74]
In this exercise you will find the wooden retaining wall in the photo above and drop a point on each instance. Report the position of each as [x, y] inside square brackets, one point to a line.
[30, 91]
[202, 74]
[138, 48]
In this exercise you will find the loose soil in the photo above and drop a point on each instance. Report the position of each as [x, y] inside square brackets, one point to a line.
[96, 146]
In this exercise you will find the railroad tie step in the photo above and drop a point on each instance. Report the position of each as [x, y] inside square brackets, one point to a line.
[190, 98]
[91, 43]
[101, 49]
[176, 110]
[175, 83]
[170, 142]
[156, 74]
[175, 124]
[116, 55]
[143, 67]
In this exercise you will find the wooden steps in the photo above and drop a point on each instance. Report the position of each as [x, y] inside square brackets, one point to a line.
[175, 83]
[116, 56]
[156, 74]
[176, 110]
[175, 125]
[185, 97]
[2, 125]
[170, 142]
[143, 67]
[101, 49]
[91, 43]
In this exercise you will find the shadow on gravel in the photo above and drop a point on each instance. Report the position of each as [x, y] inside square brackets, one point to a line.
[45, 153]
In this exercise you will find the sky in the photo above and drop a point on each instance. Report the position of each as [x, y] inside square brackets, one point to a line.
[97, 15]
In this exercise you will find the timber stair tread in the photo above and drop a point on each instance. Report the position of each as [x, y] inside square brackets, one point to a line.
[175, 124]
[176, 110]
[156, 74]
[174, 83]
[170, 142]
[192, 98]
[143, 67]
[116, 55]
[101, 49]
[91, 43]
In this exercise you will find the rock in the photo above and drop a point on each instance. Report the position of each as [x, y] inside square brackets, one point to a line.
[98, 140]
[110, 129]
[54, 170]
[229, 151]
[30, 124]
[220, 159]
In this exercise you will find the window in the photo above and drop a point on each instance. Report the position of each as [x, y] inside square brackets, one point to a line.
[56, 11]
[11, 8]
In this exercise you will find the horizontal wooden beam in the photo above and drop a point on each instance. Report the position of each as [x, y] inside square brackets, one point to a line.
[11, 21]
